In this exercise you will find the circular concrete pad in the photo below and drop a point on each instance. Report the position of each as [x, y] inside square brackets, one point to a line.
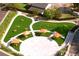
[38, 46]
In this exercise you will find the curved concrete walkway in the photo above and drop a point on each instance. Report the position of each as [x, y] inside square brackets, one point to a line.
[31, 29]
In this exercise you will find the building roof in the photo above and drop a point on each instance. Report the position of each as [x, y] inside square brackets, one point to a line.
[39, 5]
[33, 8]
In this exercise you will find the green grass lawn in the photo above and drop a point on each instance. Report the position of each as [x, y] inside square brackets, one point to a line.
[19, 25]
[62, 28]
[21, 37]
[6, 22]
[22, 24]
[3, 28]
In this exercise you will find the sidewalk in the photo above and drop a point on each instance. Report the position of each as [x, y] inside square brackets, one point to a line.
[2, 14]
[3, 53]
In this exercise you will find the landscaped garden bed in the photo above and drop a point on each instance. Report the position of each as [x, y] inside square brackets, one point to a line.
[21, 31]
[22, 37]
[22, 23]
[3, 28]
[61, 13]
[62, 28]
[19, 25]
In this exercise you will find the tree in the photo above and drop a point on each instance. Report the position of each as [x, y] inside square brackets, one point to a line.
[76, 6]
[35, 11]
[3, 5]
[52, 13]
[20, 6]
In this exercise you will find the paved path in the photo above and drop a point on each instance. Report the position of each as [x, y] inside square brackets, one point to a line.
[2, 14]
[19, 13]
[3, 54]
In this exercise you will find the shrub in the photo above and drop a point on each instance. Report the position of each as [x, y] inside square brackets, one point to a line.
[19, 6]
[76, 6]
[52, 13]
[35, 11]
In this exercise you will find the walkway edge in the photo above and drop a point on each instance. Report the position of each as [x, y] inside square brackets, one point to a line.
[4, 17]
[6, 53]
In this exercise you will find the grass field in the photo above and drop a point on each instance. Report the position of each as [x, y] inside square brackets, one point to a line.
[19, 25]
[22, 23]
[3, 28]
[6, 22]
[62, 28]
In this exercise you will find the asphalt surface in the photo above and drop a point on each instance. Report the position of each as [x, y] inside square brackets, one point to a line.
[3, 54]
[74, 48]
[2, 14]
